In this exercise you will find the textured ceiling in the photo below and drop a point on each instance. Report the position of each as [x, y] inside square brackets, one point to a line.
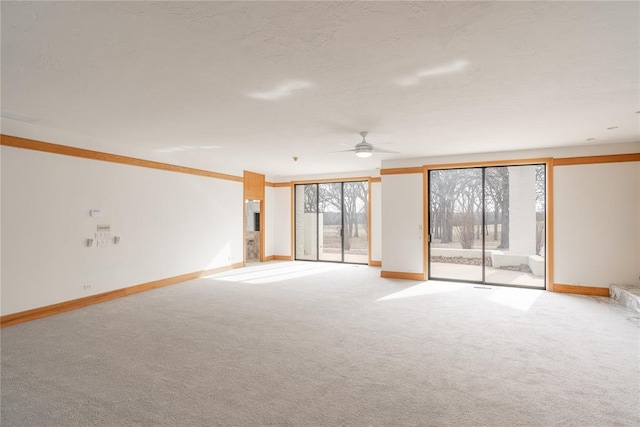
[248, 85]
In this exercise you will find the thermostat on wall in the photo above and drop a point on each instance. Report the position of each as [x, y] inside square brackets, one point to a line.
[95, 212]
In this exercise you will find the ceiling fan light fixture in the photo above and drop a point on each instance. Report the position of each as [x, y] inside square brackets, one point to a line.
[363, 148]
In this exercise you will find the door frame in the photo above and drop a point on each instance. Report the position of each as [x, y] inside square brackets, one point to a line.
[253, 189]
[547, 161]
[340, 181]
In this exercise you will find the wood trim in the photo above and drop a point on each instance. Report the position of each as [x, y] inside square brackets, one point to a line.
[513, 162]
[373, 263]
[253, 186]
[581, 290]
[46, 147]
[402, 275]
[269, 184]
[589, 160]
[329, 180]
[50, 310]
[397, 171]
[323, 181]
[278, 258]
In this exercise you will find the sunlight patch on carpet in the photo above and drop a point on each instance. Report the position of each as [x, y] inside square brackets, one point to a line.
[427, 288]
[274, 273]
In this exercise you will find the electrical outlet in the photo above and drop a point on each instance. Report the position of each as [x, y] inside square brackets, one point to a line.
[86, 287]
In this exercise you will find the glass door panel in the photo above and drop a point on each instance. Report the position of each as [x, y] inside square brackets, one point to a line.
[455, 218]
[515, 225]
[356, 224]
[306, 199]
[330, 221]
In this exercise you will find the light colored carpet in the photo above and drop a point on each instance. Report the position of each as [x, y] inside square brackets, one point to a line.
[310, 344]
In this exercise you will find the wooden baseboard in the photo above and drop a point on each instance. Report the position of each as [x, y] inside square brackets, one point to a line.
[402, 275]
[277, 258]
[61, 307]
[373, 263]
[581, 290]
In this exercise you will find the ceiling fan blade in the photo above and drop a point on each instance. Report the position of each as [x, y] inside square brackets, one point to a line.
[379, 150]
[341, 151]
[344, 144]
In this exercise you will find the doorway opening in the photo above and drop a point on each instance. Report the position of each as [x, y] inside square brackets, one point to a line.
[331, 222]
[252, 230]
[488, 225]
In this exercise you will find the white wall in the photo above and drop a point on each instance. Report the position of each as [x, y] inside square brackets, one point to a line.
[282, 221]
[269, 218]
[169, 223]
[376, 221]
[1, 231]
[596, 211]
[402, 220]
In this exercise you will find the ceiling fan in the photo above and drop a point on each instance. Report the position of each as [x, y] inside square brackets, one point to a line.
[365, 149]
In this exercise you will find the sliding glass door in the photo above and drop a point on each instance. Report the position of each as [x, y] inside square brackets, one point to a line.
[487, 225]
[331, 222]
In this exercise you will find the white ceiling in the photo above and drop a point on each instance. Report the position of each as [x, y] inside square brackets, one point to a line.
[228, 86]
